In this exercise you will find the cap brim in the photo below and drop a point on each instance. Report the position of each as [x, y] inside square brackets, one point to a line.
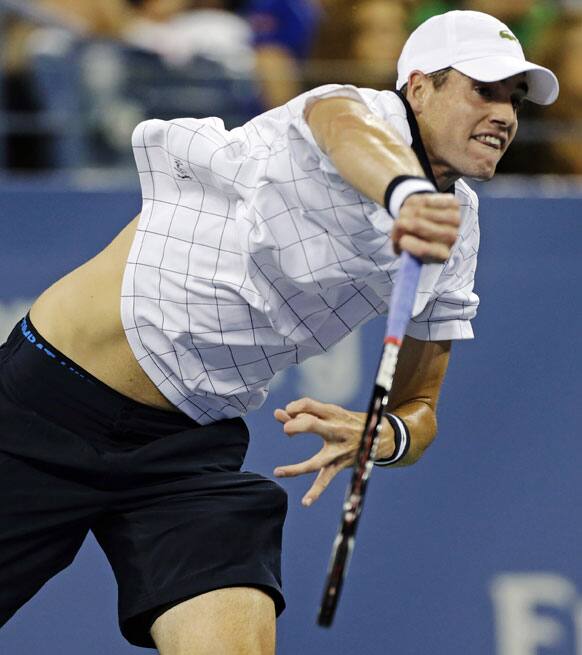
[543, 84]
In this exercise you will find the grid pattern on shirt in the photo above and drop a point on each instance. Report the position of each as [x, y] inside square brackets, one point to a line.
[253, 254]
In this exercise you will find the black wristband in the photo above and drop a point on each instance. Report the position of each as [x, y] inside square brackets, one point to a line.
[401, 441]
[403, 186]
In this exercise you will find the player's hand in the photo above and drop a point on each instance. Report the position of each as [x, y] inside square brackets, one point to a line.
[427, 226]
[341, 431]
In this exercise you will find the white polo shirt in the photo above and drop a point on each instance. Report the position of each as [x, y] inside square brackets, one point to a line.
[253, 254]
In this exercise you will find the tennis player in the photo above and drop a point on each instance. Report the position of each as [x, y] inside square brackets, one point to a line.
[122, 392]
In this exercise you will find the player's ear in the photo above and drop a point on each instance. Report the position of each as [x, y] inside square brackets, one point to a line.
[417, 90]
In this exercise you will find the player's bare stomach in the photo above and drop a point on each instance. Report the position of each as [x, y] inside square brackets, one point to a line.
[80, 316]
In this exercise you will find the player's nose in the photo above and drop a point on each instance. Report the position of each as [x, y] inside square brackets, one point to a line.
[503, 114]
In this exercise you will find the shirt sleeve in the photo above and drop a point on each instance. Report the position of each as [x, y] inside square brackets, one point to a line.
[454, 303]
[302, 144]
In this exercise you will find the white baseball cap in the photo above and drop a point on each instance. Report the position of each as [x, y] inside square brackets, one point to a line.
[477, 45]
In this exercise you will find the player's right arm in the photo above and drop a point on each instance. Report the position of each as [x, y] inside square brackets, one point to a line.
[368, 154]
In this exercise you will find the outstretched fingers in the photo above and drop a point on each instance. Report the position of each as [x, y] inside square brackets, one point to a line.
[310, 465]
[310, 406]
[326, 473]
[340, 430]
[324, 477]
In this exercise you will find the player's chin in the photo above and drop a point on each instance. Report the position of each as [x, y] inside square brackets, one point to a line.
[483, 170]
[483, 176]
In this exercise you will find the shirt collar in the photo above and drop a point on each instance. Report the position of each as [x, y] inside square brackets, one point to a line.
[417, 144]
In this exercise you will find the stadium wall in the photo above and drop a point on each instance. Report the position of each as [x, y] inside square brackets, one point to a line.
[473, 551]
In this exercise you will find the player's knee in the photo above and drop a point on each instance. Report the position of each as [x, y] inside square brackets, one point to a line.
[231, 620]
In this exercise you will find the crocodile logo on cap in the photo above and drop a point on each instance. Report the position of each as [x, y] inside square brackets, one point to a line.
[506, 34]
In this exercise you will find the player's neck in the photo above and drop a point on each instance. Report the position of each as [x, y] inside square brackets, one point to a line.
[444, 175]
[435, 169]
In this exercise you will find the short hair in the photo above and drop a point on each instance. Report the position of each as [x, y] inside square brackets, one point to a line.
[438, 79]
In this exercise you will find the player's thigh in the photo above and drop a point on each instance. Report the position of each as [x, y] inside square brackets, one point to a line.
[186, 538]
[231, 621]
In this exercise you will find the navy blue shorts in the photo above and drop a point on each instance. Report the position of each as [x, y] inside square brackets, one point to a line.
[164, 496]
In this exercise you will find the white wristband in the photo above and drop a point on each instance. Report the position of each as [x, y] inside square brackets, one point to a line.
[401, 441]
[403, 186]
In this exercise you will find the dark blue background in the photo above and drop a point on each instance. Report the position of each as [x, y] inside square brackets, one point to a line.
[497, 493]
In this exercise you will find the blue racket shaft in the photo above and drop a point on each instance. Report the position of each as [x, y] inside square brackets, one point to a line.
[400, 311]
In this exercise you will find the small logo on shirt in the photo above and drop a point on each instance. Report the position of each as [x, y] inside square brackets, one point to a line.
[181, 171]
[505, 34]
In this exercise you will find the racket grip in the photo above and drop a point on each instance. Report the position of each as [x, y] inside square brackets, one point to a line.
[402, 301]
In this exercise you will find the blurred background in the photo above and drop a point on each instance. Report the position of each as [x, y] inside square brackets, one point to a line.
[77, 75]
[476, 549]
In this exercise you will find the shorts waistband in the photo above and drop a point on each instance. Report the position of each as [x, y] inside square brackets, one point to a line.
[57, 407]
[43, 378]
[35, 339]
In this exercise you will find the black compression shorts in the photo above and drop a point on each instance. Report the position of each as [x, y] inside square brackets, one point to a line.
[164, 496]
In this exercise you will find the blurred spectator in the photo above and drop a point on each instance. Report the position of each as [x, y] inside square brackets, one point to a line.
[334, 32]
[177, 35]
[420, 10]
[283, 32]
[100, 18]
[572, 7]
[359, 42]
[380, 28]
[19, 151]
[565, 56]
[178, 31]
[192, 59]
[162, 10]
[97, 18]
[31, 148]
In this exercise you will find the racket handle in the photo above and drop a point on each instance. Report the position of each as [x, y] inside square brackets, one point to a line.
[402, 301]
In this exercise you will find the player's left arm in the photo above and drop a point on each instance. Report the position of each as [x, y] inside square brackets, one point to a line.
[417, 383]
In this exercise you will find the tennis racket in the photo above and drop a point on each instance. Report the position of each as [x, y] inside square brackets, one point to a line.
[399, 314]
